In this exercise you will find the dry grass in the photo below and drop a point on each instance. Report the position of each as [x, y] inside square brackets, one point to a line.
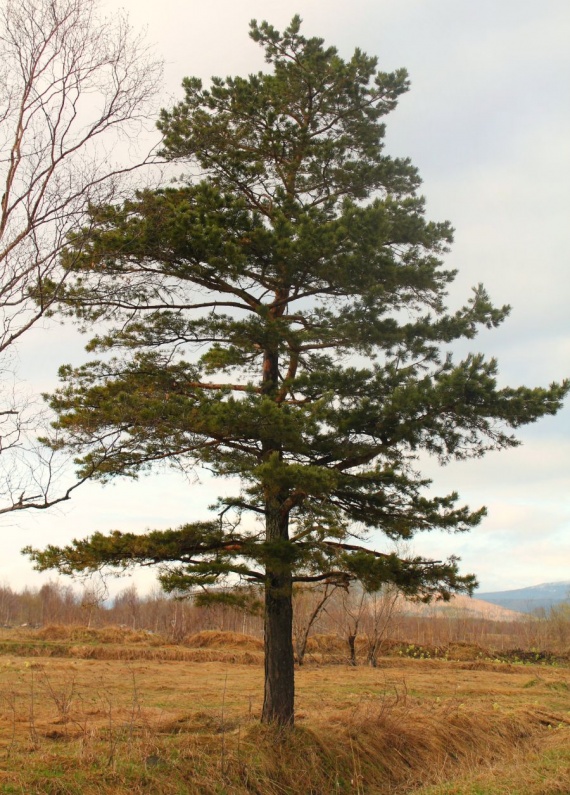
[542, 772]
[118, 643]
[212, 639]
[167, 726]
[104, 635]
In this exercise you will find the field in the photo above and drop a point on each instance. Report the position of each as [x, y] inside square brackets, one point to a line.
[112, 711]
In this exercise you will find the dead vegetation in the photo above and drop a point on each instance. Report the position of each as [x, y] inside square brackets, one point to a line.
[120, 643]
[91, 721]
[211, 639]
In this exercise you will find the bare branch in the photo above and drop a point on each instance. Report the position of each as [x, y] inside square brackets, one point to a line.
[73, 87]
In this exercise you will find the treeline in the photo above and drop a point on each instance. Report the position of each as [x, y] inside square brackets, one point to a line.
[364, 622]
[91, 606]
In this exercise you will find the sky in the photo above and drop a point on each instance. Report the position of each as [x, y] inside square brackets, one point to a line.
[487, 123]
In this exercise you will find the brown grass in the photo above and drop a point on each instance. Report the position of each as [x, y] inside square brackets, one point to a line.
[542, 772]
[227, 640]
[101, 724]
[108, 634]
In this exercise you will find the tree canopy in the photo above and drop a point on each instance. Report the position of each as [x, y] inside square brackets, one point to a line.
[278, 315]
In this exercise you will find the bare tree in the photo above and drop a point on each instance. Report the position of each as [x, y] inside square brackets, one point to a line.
[127, 605]
[309, 602]
[352, 613]
[382, 607]
[75, 88]
[370, 614]
[92, 600]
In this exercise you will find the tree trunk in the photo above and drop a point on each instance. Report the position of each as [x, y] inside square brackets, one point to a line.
[279, 692]
[352, 648]
[279, 695]
[372, 655]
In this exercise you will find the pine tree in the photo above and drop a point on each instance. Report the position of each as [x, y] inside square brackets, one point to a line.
[281, 318]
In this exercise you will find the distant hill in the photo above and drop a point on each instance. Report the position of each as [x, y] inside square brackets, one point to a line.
[531, 599]
[462, 607]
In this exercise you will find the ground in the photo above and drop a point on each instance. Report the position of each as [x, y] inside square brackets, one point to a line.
[126, 712]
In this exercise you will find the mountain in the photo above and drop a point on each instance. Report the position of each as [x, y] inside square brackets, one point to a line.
[531, 599]
[461, 607]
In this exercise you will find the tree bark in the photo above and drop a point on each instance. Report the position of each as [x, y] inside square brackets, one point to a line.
[352, 648]
[279, 690]
[279, 693]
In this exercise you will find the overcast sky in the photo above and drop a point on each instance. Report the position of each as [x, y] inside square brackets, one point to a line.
[487, 122]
